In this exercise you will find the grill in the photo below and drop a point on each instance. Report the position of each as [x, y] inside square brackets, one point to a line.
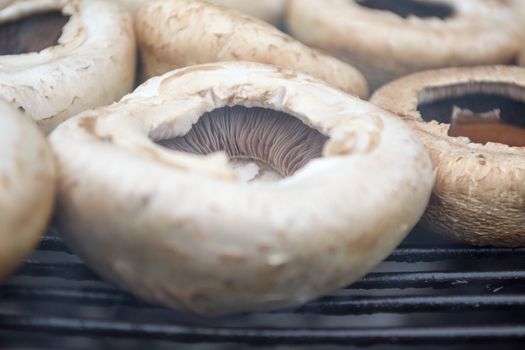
[428, 292]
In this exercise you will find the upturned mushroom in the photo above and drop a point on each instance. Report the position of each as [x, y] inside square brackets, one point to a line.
[236, 186]
[173, 34]
[60, 57]
[472, 121]
[271, 11]
[27, 186]
[387, 39]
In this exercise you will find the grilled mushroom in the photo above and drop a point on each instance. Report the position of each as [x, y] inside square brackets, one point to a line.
[149, 200]
[27, 186]
[271, 11]
[203, 33]
[59, 58]
[387, 39]
[480, 190]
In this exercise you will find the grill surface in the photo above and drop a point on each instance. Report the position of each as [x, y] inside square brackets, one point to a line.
[428, 292]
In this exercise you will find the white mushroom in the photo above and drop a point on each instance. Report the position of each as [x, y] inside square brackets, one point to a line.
[92, 64]
[186, 231]
[472, 120]
[386, 39]
[173, 34]
[271, 11]
[27, 186]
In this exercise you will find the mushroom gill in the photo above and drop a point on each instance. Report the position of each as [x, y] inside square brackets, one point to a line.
[483, 112]
[406, 8]
[262, 144]
[32, 33]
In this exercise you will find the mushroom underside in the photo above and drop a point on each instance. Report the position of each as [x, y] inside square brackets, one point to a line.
[32, 33]
[406, 8]
[483, 112]
[262, 144]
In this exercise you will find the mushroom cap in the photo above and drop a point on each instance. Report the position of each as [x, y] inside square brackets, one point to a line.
[385, 46]
[204, 33]
[27, 186]
[479, 195]
[270, 11]
[181, 230]
[92, 65]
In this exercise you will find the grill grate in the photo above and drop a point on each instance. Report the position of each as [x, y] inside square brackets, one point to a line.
[428, 292]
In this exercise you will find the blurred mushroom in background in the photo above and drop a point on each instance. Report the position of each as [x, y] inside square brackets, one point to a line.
[173, 34]
[388, 39]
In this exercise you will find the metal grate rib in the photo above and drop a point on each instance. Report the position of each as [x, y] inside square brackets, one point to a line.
[460, 286]
[259, 336]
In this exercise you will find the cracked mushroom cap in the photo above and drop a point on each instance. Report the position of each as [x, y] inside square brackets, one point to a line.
[53, 66]
[387, 39]
[27, 186]
[150, 201]
[173, 34]
[270, 11]
[479, 195]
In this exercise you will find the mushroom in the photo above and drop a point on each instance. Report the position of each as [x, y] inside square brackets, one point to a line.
[173, 34]
[59, 58]
[387, 39]
[270, 11]
[479, 192]
[27, 186]
[319, 188]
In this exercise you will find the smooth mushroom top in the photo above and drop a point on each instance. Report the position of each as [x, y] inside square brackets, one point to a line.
[48, 45]
[356, 199]
[428, 100]
[413, 33]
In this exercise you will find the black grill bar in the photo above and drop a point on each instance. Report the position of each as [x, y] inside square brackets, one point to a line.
[327, 306]
[413, 254]
[83, 296]
[462, 290]
[431, 279]
[53, 244]
[405, 253]
[68, 271]
[262, 336]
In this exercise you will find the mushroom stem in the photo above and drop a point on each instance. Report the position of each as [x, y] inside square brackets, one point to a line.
[485, 127]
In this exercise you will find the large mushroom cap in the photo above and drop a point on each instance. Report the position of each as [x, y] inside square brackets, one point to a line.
[27, 186]
[92, 63]
[184, 230]
[387, 39]
[173, 34]
[270, 11]
[479, 195]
